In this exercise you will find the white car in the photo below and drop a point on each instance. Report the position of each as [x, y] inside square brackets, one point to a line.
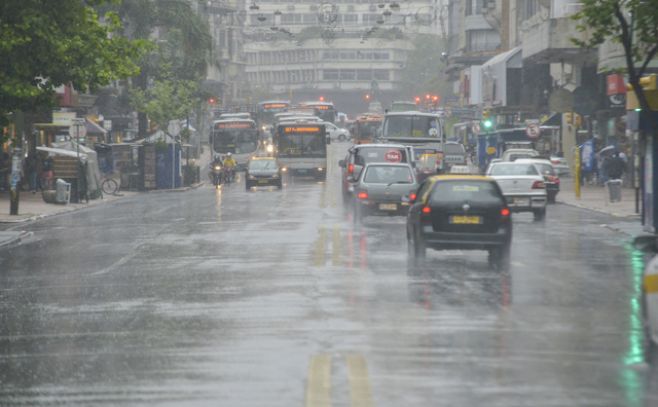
[561, 166]
[516, 153]
[522, 185]
[335, 133]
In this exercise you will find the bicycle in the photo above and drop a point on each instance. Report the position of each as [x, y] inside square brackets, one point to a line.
[110, 186]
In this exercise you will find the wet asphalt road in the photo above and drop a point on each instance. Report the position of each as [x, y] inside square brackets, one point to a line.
[273, 298]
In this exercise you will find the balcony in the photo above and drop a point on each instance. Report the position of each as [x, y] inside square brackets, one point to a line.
[549, 39]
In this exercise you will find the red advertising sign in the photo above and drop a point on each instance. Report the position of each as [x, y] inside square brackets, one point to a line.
[393, 156]
[615, 84]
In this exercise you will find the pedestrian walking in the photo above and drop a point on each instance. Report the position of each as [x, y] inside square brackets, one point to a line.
[614, 168]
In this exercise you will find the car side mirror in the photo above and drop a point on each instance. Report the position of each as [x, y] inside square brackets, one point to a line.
[341, 163]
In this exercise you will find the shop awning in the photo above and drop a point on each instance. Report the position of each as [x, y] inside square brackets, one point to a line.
[508, 59]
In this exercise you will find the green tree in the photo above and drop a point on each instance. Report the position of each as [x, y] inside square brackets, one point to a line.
[423, 72]
[631, 23]
[45, 45]
[179, 54]
[165, 100]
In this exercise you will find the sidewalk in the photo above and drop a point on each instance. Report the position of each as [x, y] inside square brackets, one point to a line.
[595, 198]
[32, 206]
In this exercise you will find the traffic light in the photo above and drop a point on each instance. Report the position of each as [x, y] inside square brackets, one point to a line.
[321, 98]
[367, 97]
[649, 85]
[212, 101]
[487, 122]
[417, 100]
[435, 100]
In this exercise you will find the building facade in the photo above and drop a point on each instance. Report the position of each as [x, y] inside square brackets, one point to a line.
[348, 52]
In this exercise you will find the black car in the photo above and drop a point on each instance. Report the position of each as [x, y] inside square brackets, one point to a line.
[459, 212]
[263, 171]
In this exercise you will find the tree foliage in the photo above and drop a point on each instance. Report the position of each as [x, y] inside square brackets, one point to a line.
[45, 45]
[166, 100]
[424, 70]
[631, 23]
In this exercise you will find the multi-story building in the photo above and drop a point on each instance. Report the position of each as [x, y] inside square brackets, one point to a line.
[347, 51]
[225, 77]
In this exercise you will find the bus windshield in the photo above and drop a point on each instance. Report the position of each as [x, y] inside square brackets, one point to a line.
[235, 137]
[411, 126]
[267, 110]
[326, 112]
[302, 141]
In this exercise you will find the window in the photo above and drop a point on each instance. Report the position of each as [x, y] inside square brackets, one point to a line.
[350, 19]
[363, 74]
[472, 7]
[482, 40]
[330, 74]
[380, 74]
[529, 9]
[347, 74]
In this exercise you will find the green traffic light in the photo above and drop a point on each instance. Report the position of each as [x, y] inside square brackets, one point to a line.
[487, 124]
[638, 109]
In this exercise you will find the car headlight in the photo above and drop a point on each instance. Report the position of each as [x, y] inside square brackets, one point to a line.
[217, 168]
[284, 169]
[252, 177]
[270, 148]
[320, 169]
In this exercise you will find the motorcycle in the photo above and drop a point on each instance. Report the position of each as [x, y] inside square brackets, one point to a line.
[216, 174]
[228, 175]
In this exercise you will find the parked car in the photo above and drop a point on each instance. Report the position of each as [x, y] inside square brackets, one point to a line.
[336, 133]
[360, 155]
[383, 189]
[561, 166]
[465, 212]
[551, 178]
[523, 186]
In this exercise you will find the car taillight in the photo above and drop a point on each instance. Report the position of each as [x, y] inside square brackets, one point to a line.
[555, 161]
[426, 210]
[362, 195]
[412, 197]
[538, 185]
[505, 212]
[350, 168]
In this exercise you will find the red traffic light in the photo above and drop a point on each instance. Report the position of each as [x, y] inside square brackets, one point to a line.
[367, 96]
[321, 98]
[417, 99]
[427, 96]
[435, 98]
[212, 101]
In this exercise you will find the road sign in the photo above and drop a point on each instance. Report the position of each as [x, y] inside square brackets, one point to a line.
[393, 156]
[533, 131]
[475, 128]
[78, 129]
[491, 150]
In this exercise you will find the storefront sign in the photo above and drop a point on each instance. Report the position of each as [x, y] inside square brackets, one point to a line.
[615, 85]
[617, 101]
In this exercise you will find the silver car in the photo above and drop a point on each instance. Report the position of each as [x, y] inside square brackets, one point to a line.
[522, 185]
[383, 189]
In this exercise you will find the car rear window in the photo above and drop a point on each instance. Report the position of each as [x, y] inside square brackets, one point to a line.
[471, 191]
[546, 169]
[369, 155]
[515, 169]
[388, 174]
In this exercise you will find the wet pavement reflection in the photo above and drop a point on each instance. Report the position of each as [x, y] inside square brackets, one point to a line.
[274, 297]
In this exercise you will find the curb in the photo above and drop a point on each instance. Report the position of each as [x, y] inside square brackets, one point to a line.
[184, 189]
[30, 219]
[616, 215]
[16, 239]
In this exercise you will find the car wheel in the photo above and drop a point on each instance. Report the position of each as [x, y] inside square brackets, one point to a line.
[540, 214]
[499, 257]
[341, 137]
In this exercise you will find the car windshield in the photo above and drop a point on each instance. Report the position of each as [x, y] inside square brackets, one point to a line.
[388, 174]
[262, 165]
[513, 169]
[459, 191]
[453, 149]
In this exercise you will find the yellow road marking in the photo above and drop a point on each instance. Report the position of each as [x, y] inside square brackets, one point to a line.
[336, 246]
[651, 283]
[319, 250]
[357, 374]
[318, 387]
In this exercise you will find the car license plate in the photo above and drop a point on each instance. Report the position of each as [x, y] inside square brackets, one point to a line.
[521, 202]
[262, 181]
[388, 207]
[465, 220]
[302, 171]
